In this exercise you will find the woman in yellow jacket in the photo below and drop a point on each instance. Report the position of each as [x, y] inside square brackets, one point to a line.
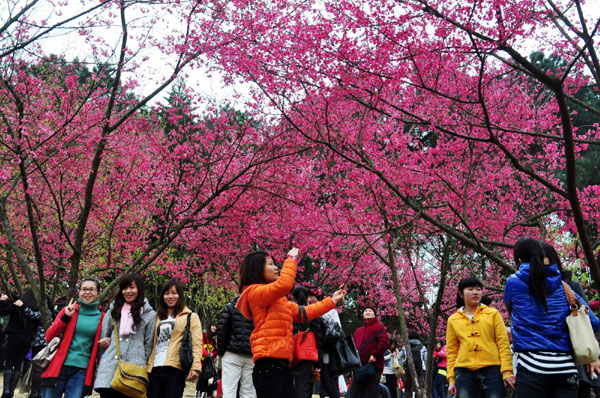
[167, 375]
[477, 346]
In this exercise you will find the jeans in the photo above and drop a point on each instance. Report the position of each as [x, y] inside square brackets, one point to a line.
[489, 379]
[237, 369]
[272, 378]
[70, 381]
[438, 388]
[166, 382]
[534, 385]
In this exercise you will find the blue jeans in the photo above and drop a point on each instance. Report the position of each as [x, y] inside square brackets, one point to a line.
[70, 381]
[438, 388]
[489, 379]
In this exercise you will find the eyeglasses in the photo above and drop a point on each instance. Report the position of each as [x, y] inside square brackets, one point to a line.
[88, 289]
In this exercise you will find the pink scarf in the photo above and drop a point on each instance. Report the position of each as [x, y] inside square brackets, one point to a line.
[126, 326]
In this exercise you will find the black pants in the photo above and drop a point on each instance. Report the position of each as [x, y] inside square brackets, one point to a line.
[535, 385]
[368, 388]
[166, 382]
[110, 393]
[391, 383]
[17, 347]
[271, 378]
[329, 383]
[302, 384]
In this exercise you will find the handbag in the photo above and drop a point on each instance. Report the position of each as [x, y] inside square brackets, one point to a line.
[344, 358]
[129, 379]
[186, 354]
[43, 358]
[208, 369]
[305, 346]
[398, 369]
[583, 340]
[366, 371]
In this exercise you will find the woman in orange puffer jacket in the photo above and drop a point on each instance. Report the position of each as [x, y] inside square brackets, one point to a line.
[263, 299]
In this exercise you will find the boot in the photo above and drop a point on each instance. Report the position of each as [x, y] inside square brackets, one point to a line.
[8, 374]
[13, 385]
[36, 381]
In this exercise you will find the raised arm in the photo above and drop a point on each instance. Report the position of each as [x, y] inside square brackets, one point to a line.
[268, 293]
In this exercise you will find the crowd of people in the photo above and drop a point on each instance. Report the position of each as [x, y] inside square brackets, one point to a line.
[268, 346]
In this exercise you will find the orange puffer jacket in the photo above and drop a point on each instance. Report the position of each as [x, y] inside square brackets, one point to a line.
[274, 315]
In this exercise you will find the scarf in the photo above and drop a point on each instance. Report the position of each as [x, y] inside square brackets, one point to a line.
[126, 326]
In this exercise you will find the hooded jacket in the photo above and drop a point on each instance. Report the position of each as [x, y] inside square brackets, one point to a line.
[135, 348]
[274, 315]
[533, 328]
[375, 347]
[477, 343]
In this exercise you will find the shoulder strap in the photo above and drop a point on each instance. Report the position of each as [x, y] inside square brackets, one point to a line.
[370, 339]
[116, 334]
[302, 313]
[187, 326]
[574, 304]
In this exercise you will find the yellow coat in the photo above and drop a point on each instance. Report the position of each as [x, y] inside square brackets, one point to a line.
[478, 343]
[175, 342]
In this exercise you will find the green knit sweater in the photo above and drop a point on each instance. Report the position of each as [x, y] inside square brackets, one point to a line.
[82, 344]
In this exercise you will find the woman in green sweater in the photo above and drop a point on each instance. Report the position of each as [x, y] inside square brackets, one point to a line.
[72, 368]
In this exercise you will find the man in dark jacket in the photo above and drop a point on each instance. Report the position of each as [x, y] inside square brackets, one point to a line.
[233, 345]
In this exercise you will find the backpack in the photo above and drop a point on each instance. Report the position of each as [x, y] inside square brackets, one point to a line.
[416, 354]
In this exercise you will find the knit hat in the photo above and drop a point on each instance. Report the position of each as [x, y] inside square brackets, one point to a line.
[368, 308]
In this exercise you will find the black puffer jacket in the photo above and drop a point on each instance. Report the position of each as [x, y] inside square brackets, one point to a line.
[234, 330]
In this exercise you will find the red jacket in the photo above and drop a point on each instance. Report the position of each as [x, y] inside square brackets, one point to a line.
[376, 347]
[66, 324]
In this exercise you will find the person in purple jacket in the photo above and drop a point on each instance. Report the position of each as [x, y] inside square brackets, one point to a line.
[371, 340]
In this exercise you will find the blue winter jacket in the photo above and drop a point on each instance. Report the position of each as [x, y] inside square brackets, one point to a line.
[533, 328]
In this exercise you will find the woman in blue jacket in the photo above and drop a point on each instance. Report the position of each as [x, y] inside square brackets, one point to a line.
[536, 299]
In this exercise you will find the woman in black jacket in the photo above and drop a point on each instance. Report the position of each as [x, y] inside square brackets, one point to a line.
[233, 346]
[19, 335]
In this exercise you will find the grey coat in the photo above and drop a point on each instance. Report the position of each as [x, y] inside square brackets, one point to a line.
[134, 349]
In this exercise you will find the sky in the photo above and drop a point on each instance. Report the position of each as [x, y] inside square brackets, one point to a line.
[155, 68]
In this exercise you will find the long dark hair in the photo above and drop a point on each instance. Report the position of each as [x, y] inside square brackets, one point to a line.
[252, 269]
[163, 309]
[210, 336]
[300, 294]
[529, 250]
[136, 306]
[470, 281]
[29, 300]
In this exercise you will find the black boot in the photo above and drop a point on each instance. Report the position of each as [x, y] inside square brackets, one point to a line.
[15, 379]
[8, 374]
[36, 381]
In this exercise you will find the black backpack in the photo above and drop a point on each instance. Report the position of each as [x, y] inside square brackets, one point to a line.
[416, 354]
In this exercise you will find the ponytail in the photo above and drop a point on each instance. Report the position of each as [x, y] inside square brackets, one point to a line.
[529, 250]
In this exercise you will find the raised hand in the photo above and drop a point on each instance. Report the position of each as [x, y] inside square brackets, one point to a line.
[70, 309]
[293, 253]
